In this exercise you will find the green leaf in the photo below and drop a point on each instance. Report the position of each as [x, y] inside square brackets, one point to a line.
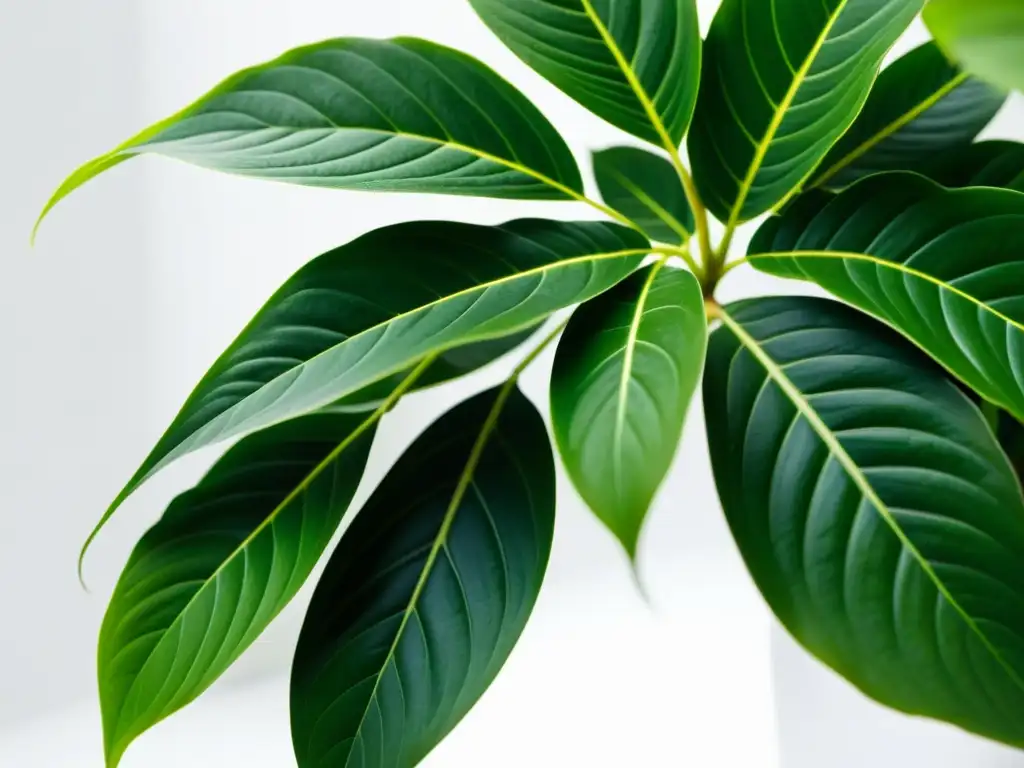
[452, 364]
[873, 507]
[635, 63]
[624, 374]
[781, 82]
[986, 164]
[646, 188]
[428, 591]
[986, 36]
[226, 557]
[400, 115]
[374, 307]
[942, 266]
[921, 107]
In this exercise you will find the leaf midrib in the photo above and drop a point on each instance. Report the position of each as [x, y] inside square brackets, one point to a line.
[887, 131]
[629, 349]
[761, 152]
[835, 448]
[653, 205]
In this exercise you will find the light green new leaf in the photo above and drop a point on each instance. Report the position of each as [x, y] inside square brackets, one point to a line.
[647, 189]
[374, 307]
[986, 36]
[986, 164]
[222, 562]
[873, 507]
[635, 63]
[428, 591]
[624, 374]
[781, 82]
[400, 115]
[920, 108]
[945, 267]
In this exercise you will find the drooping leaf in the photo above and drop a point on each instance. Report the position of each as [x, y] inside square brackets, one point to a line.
[624, 374]
[374, 307]
[635, 63]
[646, 188]
[873, 507]
[920, 108]
[986, 164]
[986, 36]
[942, 266]
[400, 115]
[226, 557]
[781, 83]
[428, 591]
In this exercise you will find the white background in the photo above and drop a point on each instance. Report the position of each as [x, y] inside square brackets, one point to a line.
[142, 278]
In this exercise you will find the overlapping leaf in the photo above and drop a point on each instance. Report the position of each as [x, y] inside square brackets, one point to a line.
[986, 36]
[986, 164]
[400, 115]
[646, 188]
[636, 63]
[873, 507]
[921, 107]
[625, 371]
[372, 308]
[223, 561]
[781, 82]
[428, 591]
[943, 266]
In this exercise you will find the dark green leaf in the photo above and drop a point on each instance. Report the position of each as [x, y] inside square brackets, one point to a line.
[873, 507]
[986, 36]
[646, 188]
[636, 63]
[401, 115]
[920, 108]
[625, 371]
[428, 591]
[945, 267]
[987, 164]
[454, 363]
[781, 82]
[222, 562]
[374, 307]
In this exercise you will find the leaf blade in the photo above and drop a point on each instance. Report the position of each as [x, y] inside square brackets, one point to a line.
[619, 59]
[986, 37]
[920, 107]
[449, 284]
[890, 533]
[985, 164]
[752, 143]
[226, 557]
[903, 263]
[454, 580]
[646, 189]
[401, 115]
[624, 365]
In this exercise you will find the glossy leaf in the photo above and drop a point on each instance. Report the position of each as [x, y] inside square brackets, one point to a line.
[942, 266]
[873, 507]
[428, 591]
[986, 36]
[624, 374]
[372, 308]
[635, 63]
[920, 108]
[781, 82]
[400, 115]
[645, 188]
[986, 164]
[222, 562]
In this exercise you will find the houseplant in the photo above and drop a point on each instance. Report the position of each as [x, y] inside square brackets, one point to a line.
[862, 480]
